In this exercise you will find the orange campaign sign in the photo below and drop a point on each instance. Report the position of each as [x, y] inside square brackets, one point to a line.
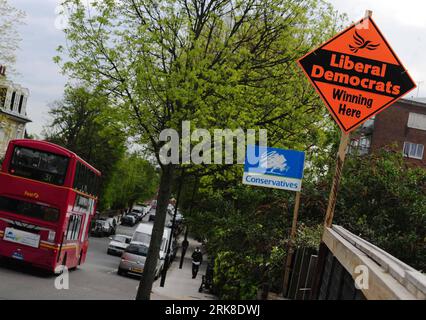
[357, 74]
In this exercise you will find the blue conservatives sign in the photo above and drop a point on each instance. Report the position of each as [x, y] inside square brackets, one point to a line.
[274, 168]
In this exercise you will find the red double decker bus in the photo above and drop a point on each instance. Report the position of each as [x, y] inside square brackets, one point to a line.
[48, 196]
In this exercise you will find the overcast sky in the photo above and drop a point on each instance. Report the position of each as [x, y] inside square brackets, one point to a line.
[402, 22]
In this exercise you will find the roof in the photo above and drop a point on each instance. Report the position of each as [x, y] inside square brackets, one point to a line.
[147, 228]
[421, 102]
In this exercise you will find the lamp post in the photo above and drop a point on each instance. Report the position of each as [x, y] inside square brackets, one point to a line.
[167, 262]
[185, 241]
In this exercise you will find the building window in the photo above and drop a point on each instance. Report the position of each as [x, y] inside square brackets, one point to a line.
[417, 121]
[12, 101]
[413, 150]
[21, 100]
[3, 94]
[360, 146]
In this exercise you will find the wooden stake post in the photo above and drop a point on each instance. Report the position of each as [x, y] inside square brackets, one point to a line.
[341, 155]
[293, 231]
[328, 221]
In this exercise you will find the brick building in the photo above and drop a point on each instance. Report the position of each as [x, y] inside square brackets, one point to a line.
[13, 114]
[403, 124]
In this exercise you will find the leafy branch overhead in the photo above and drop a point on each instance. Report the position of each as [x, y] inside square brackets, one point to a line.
[217, 63]
[10, 19]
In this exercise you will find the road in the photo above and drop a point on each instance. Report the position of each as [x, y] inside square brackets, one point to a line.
[96, 279]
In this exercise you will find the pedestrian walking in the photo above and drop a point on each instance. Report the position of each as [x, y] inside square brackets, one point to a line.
[197, 259]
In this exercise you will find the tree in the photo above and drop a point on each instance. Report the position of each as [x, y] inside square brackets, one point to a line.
[383, 199]
[133, 179]
[10, 18]
[221, 63]
[84, 123]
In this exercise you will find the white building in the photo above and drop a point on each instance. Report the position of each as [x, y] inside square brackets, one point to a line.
[13, 112]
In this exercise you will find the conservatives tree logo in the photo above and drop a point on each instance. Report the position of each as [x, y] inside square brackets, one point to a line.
[361, 43]
[272, 161]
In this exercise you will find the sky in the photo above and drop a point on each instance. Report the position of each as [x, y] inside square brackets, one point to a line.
[402, 22]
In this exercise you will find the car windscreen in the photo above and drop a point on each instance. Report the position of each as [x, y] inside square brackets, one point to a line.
[142, 237]
[29, 209]
[120, 239]
[137, 250]
[39, 165]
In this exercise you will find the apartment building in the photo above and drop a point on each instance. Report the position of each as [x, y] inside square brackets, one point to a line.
[403, 125]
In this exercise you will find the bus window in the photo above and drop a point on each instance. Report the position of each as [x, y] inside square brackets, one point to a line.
[39, 165]
[74, 225]
[29, 209]
[86, 180]
[82, 204]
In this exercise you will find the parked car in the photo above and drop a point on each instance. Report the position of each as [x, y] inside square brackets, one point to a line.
[118, 244]
[139, 214]
[128, 220]
[133, 260]
[151, 213]
[113, 223]
[170, 210]
[143, 235]
[179, 217]
[152, 210]
[102, 228]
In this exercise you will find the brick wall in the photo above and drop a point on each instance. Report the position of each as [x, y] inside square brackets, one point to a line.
[390, 127]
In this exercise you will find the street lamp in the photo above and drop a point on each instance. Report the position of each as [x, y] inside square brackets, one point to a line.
[167, 262]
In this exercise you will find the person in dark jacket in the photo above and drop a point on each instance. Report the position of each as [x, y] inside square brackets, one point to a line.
[197, 259]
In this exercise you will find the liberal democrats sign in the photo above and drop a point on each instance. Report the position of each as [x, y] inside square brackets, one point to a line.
[273, 168]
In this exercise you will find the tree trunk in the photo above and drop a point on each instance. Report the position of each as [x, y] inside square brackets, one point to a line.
[145, 286]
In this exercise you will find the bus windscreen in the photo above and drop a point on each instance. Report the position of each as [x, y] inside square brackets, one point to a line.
[39, 165]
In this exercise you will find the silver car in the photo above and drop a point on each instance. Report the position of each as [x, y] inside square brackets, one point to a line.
[133, 260]
[118, 244]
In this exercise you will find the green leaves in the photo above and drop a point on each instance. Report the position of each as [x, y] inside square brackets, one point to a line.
[85, 123]
[10, 19]
[133, 180]
[383, 199]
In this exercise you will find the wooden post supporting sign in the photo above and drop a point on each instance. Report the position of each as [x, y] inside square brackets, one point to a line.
[344, 142]
[357, 75]
[287, 270]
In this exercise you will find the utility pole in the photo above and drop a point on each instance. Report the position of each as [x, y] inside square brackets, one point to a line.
[185, 240]
[184, 248]
[167, 262]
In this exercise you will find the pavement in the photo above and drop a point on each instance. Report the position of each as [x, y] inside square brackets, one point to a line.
[179, 284]
[96, 279]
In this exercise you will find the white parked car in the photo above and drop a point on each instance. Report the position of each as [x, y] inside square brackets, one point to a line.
[118, 244]
[142, 236]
